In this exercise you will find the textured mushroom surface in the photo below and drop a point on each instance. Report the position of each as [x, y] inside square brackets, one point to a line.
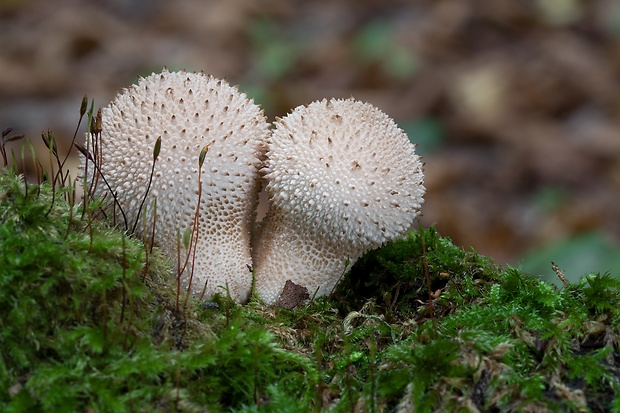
[342, 179]
[188, 111]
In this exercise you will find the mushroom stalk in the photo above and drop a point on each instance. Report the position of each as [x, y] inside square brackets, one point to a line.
[286, 250]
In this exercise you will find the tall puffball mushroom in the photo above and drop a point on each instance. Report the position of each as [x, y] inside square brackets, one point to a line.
[188, 112]
[342, 179]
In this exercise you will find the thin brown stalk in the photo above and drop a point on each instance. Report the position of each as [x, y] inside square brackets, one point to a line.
[83, 108]
[6, 139]
[428, 280]
[85, 152]
[124, 266]
[23, 149]
[85, 186]
[196, 226]
[156, 151]
[50, 143]
[204, 290]
[146, 249]
[5, 132]
[178, 269]
[154, 225]
[71, 201]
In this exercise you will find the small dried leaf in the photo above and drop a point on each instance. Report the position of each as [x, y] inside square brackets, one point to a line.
[292, 295]
[6, 132]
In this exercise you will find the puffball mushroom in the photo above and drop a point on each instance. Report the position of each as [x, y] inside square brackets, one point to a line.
[342, 179]
[188, 111]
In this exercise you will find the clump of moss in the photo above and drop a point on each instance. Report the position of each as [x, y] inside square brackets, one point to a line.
[85, 326]
[400, 275]
[90, 321]
[474, 335]
[68, 295]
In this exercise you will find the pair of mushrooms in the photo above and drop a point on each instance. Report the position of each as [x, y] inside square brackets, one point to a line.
[342, 179]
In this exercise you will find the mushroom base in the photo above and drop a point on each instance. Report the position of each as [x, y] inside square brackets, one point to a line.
[285, 250]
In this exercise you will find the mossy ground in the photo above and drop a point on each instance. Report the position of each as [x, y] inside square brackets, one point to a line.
[89, 321]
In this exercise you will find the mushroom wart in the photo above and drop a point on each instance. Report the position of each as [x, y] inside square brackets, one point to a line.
[188, 111]
[342, 179]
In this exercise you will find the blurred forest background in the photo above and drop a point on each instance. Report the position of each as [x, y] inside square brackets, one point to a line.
[515, 104]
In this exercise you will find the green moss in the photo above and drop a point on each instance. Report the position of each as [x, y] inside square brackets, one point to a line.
[419, 324]
[83, 326]
[398, 276]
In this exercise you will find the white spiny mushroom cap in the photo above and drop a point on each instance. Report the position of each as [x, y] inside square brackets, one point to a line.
[347, 170]
[189, 111]
[343, 174]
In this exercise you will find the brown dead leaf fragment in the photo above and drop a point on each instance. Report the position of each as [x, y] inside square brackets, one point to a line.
[292, 295]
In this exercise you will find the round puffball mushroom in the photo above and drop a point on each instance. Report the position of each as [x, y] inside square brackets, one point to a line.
[342, 179]
[188, 111]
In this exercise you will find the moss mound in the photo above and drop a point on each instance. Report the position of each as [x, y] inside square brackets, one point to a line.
[91, 321]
